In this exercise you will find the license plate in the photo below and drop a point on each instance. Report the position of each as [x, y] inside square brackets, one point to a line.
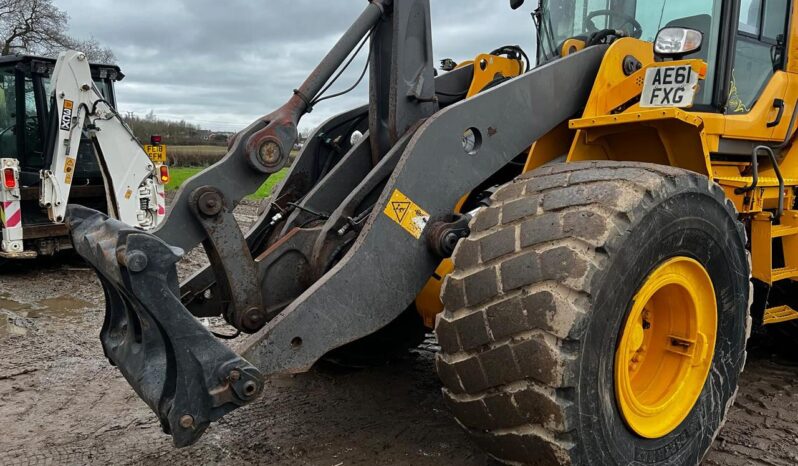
[156, 153]
[669, 86]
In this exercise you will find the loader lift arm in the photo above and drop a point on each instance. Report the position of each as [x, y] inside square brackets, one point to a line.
[329, 262]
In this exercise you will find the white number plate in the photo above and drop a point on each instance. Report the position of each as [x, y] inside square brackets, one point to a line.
[669, 86]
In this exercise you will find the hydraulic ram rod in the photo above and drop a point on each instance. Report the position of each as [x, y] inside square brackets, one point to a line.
[262, 148]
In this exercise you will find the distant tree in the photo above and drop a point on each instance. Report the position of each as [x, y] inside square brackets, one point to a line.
[172, 132]
[92, 49]
[39, 27]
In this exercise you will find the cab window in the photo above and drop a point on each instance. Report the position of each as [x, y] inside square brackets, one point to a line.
[34, 144]
[8, 116]
[759, 52]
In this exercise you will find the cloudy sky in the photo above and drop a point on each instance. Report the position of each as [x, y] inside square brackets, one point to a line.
[221, 64]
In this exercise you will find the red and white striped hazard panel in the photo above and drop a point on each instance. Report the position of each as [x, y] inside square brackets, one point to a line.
[11, 214]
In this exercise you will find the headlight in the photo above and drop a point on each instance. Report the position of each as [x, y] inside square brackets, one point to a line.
[677, 42]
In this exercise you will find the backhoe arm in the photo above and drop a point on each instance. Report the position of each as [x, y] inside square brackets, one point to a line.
[134, 192]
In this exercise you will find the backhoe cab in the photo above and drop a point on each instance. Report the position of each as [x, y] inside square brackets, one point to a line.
[61, 141]
[577, 233]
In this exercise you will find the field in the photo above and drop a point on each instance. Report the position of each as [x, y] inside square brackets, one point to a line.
[179, 176]
[194, 156]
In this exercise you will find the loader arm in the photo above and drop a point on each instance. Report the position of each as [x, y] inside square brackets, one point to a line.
[342, 250]
[133, 188]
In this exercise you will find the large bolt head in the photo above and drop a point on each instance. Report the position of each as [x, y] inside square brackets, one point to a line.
[270, 153]
[136, 261]
[186, 421]
[253, 320]
[210, 204]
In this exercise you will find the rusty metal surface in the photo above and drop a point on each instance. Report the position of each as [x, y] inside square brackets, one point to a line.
[235, 273]
[242, 171]
[315, 190]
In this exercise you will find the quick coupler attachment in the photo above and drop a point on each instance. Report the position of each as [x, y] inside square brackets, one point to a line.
[185, 375]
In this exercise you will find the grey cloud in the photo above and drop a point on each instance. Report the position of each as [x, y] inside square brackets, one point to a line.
[223, 64]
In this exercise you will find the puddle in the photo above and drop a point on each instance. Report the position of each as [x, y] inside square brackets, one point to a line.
[15, 317]
[62, 306]
[11, 305]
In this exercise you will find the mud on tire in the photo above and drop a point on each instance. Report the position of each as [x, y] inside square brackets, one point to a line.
[540, 291]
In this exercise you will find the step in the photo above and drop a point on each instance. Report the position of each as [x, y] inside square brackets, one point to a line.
[776, 315]
[780, 231]
[784, 273]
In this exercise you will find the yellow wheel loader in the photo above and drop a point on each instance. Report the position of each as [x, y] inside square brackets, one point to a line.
[593, 238]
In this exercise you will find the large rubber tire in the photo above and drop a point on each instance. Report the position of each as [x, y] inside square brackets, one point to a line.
[540, 290]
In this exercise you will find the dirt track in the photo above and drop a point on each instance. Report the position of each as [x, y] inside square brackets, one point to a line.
[61, 403]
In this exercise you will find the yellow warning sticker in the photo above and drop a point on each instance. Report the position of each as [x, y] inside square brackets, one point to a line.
[69, 167]
[407, 214]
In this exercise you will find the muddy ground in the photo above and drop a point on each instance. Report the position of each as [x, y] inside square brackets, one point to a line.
[62, 403]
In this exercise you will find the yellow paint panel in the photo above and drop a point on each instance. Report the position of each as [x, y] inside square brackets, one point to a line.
[428, 302]
[407, 214]
[487, 67]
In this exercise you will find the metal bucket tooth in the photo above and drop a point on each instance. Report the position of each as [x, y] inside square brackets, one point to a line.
[186, 376]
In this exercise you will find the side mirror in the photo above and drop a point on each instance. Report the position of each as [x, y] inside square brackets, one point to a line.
[676, 42]
[516, 4]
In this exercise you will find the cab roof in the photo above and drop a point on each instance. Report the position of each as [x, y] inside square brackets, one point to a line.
[44, 65]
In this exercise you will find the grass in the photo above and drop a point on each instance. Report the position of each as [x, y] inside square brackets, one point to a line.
[180, 175]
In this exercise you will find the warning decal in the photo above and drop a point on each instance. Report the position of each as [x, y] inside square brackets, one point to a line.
[407, 214]
[69, 168]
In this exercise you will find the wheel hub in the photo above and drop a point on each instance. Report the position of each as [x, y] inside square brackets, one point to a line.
[666, 347]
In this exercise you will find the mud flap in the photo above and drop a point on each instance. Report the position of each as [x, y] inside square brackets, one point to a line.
[186, 376]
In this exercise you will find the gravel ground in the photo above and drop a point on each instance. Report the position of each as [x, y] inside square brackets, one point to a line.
[62, 403]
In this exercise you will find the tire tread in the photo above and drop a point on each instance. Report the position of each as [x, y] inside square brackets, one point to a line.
[566, 220]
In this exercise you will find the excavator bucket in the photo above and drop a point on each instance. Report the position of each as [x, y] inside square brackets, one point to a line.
[185, 375]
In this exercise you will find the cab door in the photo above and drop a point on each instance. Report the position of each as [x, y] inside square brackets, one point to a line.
[762, 93]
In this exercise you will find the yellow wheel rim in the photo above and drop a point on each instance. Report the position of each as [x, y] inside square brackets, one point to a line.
[666, 347]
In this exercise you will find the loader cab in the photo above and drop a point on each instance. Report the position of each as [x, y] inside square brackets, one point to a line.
[744, 43]
[585, 20]
[565, 26]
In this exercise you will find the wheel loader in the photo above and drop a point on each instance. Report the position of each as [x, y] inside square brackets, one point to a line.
[593, 237]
